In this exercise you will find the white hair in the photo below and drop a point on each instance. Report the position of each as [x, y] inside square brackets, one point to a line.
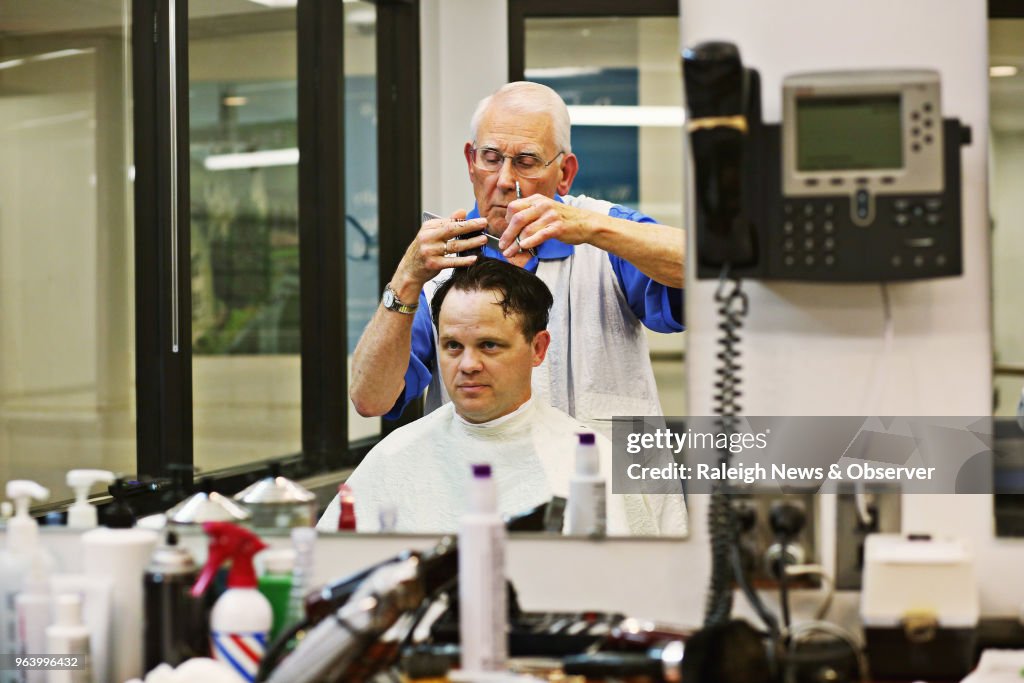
[525, 97]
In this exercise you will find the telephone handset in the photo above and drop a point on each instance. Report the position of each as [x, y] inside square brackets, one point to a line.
[723, 101]
[860, 182]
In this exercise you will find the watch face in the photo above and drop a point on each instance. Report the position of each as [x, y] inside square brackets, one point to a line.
[389, 298]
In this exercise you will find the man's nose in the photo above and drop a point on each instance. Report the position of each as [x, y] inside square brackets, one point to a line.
[506, 175]
[469, 362]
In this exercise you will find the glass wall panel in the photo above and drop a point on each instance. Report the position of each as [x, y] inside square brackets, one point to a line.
[621, 78]
[244, 233]
[361, 215]
[1006, 59]
[66, 302]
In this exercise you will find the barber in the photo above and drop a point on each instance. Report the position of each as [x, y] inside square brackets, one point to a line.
[612, 271]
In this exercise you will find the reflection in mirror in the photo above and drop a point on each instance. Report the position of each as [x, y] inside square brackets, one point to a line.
[1006, 87]
[66, 301]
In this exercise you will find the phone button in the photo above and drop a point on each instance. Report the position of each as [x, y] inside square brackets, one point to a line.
[862, 204]
[787, 227]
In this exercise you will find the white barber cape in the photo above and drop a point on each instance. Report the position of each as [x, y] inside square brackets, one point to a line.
[423, 471]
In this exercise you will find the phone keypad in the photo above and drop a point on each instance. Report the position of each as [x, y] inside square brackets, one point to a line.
[905, 238]
[808, 234]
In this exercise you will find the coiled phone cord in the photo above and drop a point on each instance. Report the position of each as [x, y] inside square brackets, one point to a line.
[722, 523]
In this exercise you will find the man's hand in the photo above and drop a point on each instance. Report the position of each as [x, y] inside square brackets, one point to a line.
[429, 253]
[656, 250]
[536, 219]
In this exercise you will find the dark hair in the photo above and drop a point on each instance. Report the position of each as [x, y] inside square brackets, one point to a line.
[523, 293]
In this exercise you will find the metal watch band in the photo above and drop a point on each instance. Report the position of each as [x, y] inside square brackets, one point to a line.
[393, 303]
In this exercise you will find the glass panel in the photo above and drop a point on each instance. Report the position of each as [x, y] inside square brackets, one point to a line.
[361, 282]
[245, 242]
[66, 304]
[1006, 59]
[630, 155]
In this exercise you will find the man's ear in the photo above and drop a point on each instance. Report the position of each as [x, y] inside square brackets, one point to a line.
[467, 151]
[540, 344]
[570, 167]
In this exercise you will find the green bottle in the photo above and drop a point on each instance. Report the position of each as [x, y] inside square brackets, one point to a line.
[276, 586]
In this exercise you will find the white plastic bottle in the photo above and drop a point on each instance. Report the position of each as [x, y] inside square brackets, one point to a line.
[483, 611]
[68, 636]
[242, 617]
[587, 504]
[82, 515]
[22, 562]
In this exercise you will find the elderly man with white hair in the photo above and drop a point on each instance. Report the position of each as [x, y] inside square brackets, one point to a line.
[612, 271]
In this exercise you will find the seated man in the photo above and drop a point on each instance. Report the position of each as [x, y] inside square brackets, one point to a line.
[491, 320]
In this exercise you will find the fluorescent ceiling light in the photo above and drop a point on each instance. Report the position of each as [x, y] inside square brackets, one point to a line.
[44, 57]
[59, 54]
[562, 72]
[268, 157]
[1002, 71]
[619, 115]
[235, 101]
[283, 3]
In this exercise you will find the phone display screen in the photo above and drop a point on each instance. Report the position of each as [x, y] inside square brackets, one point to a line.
[848, 133]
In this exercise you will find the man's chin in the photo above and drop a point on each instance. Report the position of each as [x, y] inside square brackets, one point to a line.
[474, 411]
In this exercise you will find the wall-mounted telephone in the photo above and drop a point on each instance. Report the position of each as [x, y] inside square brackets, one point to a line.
[859, 183]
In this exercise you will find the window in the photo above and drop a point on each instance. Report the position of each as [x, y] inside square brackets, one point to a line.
[66, 305]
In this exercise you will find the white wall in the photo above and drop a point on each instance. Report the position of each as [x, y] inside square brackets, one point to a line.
[814, 349]
[456, 71]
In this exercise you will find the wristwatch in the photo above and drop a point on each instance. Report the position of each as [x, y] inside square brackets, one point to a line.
[393, 303]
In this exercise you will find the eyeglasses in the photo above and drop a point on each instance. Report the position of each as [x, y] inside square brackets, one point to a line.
[525, 165]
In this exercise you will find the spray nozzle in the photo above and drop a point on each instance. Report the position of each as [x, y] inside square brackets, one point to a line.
[229, 541]
[81, 515]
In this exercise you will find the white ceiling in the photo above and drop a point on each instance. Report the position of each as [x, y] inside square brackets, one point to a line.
[27, 17]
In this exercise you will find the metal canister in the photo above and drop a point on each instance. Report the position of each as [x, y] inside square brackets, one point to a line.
[277, 501]
[176, 625]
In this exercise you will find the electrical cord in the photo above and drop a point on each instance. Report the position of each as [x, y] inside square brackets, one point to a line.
[819, 571]
[796, 634]
[783, 586]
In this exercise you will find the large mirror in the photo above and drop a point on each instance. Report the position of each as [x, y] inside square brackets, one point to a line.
[1006, 115]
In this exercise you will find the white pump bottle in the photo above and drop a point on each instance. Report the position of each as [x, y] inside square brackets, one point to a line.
[24, 569]
[82, 515]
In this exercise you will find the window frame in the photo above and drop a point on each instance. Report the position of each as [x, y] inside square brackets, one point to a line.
[521, 10]
[164, 450]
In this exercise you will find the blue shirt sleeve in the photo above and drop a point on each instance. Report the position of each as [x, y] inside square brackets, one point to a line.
[659, 307]
[421, 360]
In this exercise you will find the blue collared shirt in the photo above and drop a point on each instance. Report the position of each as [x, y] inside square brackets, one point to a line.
[659, 307]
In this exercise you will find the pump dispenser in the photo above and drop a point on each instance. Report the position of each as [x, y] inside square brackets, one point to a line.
[82, 515]
[25, 568]
[242, 616]
[118, 514]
